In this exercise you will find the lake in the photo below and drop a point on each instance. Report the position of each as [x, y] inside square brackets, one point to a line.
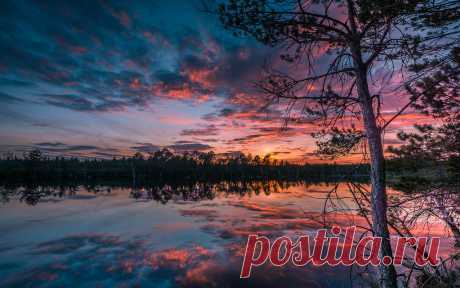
[165, 236]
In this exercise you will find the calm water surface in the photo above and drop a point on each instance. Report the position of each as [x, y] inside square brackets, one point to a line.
[119, 238]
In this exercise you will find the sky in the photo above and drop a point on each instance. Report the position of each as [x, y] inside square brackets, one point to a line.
[110, 78]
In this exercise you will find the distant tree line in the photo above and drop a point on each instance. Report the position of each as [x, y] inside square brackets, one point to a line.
[165, 166]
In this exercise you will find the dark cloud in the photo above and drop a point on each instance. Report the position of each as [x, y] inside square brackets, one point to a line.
[274, 129]
[227, 112]
[7, 98]
[69, 148]
[82, 148]
[210, 130]
[50, 144]
[63, 149]
[193, 62]
[15, 83]
[206, 139]
[169, 78]
[71, 101]
[185, 146]
[81, 103]
[247, 139]
[180, 142]
[145, 148]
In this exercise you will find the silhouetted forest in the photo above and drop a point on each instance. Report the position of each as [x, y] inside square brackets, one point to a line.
[166, 166]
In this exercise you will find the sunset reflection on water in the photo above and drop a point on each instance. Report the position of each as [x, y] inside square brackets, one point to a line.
[119, 238]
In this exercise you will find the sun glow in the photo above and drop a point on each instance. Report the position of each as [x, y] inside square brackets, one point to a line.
[266, 150]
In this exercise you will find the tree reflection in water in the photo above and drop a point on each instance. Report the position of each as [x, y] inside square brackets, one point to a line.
[32, 194]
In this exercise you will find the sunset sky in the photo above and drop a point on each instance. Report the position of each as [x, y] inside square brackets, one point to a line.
[109, 78]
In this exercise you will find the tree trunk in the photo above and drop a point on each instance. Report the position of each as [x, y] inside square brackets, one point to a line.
[378, 187]
[387, 275]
